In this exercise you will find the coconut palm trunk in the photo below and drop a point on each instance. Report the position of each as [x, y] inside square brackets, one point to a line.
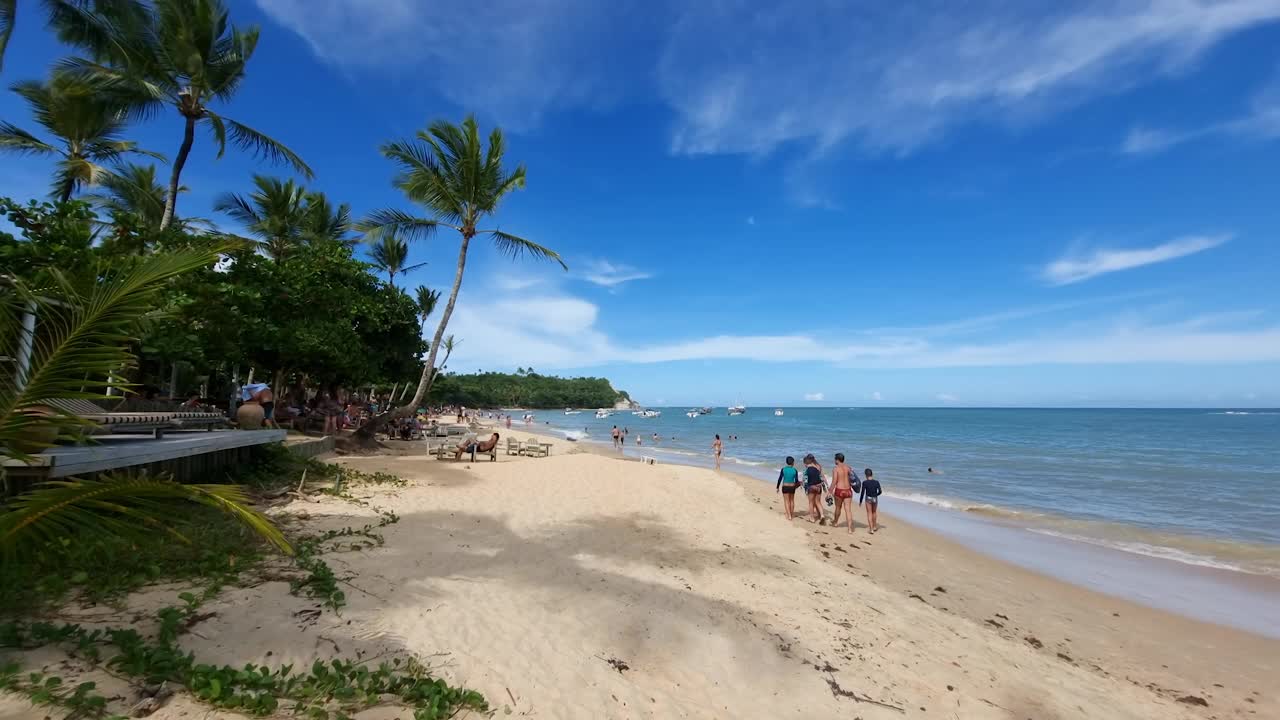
[428, 368]
[175, 177]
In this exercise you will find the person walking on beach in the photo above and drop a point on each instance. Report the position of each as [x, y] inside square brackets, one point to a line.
[717, 447]
[788, 480]
[813, 488]
[617, 437]
[871, 495]
[844, 481]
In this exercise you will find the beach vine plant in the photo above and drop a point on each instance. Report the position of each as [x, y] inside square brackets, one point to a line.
[333, 689]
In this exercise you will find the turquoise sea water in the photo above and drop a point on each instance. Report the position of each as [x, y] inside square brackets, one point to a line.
[1197, 487]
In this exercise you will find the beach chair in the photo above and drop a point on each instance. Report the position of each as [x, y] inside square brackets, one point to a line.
[513, 446]
[533, 448]
[136, 422]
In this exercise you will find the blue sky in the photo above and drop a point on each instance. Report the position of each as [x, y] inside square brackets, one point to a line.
[850, 203]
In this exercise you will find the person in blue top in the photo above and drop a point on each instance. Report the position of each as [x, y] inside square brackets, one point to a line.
[871, 494]
[788, 481]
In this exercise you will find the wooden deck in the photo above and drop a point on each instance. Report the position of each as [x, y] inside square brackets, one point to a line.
[176, 451]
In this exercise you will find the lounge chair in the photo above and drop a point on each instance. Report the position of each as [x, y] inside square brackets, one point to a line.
[533, 448]
[513, 446]
[133, 422]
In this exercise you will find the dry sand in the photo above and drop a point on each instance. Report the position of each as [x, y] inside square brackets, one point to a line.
[584, 586]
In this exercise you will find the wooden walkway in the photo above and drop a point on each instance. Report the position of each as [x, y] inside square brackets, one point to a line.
[113, 452]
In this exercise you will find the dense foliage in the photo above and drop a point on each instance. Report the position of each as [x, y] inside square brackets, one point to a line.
[524, 389]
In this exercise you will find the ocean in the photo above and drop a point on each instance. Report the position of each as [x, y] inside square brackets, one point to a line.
[1193, 487]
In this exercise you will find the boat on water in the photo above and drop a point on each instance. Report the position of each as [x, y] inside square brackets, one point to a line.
[571, 411]
[692, 414]
[602, 414]
[778, 413]
[738, 409]
[705, 411]
[650, 413]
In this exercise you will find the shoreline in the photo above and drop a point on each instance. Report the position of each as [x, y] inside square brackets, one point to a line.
[1243, 601]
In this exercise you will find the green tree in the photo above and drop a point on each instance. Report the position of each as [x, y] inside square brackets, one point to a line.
[132, 198]
[389, 254]
[182, 54]
[449, 172]
[322, 222]
[86, 123]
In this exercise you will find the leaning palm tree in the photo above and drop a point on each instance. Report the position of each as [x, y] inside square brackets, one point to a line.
[448, 170]
[85, 335]
[389, 254]
[274, 213]
[86, 123]
[182, 54]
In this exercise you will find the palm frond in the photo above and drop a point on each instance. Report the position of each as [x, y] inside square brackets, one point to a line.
[82, 333]
[126, 504]
[16, 139]
[270, 149]
[515, 247]
[8, 15]
[379, 222]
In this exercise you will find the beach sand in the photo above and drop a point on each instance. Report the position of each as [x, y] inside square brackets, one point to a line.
[585, 586]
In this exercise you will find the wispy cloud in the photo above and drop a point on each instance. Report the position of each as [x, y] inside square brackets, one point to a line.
[1261, 122]
[607, 274]
[560, 331]
[1074, 269]
[876, 396]
[893, 76]
[947, 398]
[751, 219]
[814, 397]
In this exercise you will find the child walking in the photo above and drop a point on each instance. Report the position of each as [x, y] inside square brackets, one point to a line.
[844, 484]
[788, 480]
[871, 494]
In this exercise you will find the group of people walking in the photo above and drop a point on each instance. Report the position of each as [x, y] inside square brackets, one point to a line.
[841, 488]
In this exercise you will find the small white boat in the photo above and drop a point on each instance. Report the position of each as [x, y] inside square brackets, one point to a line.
[692, 414]
[602, 414]
[651, 413]
[737, 409]
[570, 411]
[778, 413]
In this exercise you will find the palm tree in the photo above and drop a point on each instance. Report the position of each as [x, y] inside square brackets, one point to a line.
[131, 190]
[86, 123]
[321, 222]
[274, 213]
[427, 301]
[178, 53]
[85, 336]
[389, 254]
[449, 172]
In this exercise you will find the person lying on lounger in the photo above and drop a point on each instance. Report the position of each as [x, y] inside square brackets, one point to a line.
[471, 445]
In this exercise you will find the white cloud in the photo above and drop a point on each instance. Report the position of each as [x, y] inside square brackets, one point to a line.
[877, 396]
[896, 76]
[814, 397]
[515, 281]
[751, 219]
[561, 332]
[1142, 141]
[607, 274]
[892, 75]
[947, 398]
[1067, 270]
